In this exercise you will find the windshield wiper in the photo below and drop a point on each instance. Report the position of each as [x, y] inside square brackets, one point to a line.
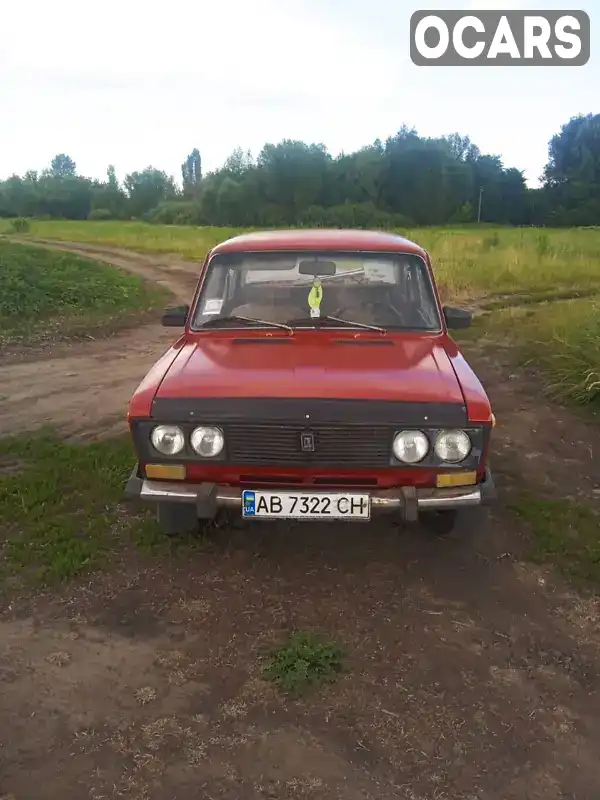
[212, 323]
[315, 321]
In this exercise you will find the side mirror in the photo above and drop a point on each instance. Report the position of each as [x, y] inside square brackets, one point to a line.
[457, 318]
[175, 317]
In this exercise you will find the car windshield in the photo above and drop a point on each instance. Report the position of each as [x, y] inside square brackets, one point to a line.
[309, 289]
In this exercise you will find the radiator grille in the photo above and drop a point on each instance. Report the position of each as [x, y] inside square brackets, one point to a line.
[334, 445]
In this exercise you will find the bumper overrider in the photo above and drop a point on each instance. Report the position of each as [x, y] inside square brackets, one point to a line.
[408, 501]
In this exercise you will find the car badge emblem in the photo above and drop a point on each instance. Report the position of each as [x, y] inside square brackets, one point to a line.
[307, 442]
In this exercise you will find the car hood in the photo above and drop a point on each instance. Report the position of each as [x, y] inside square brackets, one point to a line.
[408, 368]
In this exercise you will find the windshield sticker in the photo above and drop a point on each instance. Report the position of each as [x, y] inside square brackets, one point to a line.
[379, 271]
[213, 307]
[314, 298]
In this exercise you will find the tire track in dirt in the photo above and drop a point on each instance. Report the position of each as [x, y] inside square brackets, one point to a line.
[83, 388]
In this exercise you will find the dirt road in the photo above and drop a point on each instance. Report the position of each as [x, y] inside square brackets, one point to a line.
[84, 387]
[471, 674]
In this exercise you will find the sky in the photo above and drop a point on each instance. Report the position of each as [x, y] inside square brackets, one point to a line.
[136, 84]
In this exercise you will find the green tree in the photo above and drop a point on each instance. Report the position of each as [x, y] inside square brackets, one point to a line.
[409, 179]
[293, 176]
[191, 173]
[356, 177]
[62, 166]
[572, 174]
[238, 163]
[462, 148]
[109, 200]
[18, 197]
[148, 188]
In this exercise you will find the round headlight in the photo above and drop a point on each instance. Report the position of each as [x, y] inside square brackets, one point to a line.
[410, 446]
[168, 439]
[452, 446]
[207, 442]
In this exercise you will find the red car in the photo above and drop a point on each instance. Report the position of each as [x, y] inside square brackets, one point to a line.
[314, 379]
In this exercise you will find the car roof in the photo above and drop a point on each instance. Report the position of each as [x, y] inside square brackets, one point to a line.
[319, 239]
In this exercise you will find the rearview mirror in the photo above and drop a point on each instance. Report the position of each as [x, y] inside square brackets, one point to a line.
[175, 317]
[457, 318]
[316, 268]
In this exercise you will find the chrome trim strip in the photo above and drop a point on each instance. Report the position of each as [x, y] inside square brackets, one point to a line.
[459, 497]
[427, 499]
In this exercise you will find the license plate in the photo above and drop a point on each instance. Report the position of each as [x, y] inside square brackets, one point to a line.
[305, 505]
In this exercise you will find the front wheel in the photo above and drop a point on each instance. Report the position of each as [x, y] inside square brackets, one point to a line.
[460, 523]
[439, 523]
[177, 519]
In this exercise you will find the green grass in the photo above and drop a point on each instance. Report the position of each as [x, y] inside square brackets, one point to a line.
[513, 261]
[185, 240]
[561, 339]
[564, 534]
[469, 261]
[60, 512]
[305, 660]
[50, 293]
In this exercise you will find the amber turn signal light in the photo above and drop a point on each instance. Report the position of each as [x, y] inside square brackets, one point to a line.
[169, 472]
[449, 479]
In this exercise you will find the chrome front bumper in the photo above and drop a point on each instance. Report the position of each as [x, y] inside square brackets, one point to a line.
[208, 497]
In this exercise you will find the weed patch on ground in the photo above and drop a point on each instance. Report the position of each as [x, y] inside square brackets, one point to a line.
[303, 661]
[60, 512]
[47, 293]
[560, 339]
[565, 534]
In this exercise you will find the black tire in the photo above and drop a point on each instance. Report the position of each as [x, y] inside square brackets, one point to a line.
[439, 523]
[461, 524]
[177, 519]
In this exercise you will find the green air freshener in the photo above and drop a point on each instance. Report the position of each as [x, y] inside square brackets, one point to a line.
[314, 298]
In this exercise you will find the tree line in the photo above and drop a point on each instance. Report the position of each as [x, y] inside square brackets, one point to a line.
[407, 180]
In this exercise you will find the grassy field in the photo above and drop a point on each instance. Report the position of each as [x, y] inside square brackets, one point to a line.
[469, 262]
[561, 339]
[48, 293]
